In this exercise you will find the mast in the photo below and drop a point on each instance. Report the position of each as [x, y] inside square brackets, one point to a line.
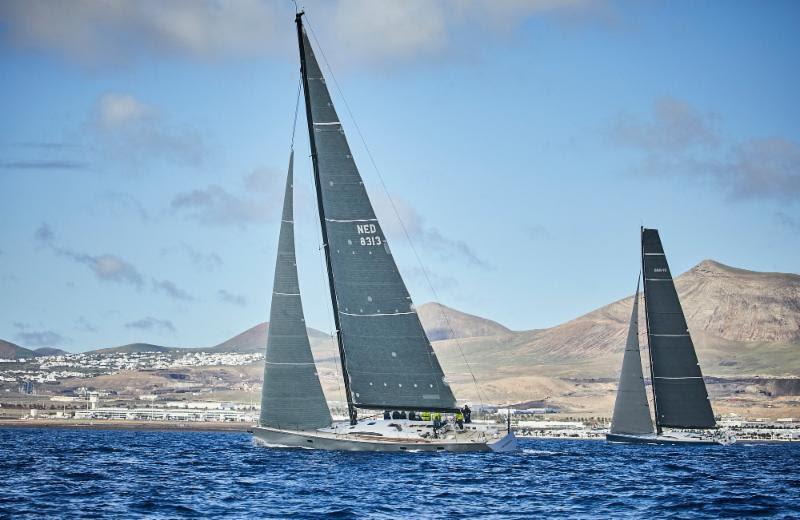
[647, 328]
[351, 409]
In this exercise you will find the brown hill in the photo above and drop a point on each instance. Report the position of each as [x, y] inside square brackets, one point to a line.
[442, 322]
[254, 340]
[49, 351]
[745, 326]
[743, 323]
[10, 350]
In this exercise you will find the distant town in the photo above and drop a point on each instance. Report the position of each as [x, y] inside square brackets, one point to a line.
[34, 393]
[50, 369]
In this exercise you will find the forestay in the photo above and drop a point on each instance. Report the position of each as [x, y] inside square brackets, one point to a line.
[681, 399]
[291, 397]
[388, 358]
[631, 412]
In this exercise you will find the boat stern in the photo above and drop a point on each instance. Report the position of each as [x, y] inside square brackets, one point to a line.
[504, 444]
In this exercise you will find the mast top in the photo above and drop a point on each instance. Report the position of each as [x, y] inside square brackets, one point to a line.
[298, 17]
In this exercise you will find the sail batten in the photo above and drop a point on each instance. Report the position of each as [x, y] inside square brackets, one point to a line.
[631, 411]
[292, 395]
[680, 396]
[388, 361]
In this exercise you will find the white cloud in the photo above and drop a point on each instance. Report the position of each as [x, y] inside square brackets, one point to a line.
[115, 110]
[421, 234]
[120, 31]
[673, 126]
[132, 132]
[170, 289]
[116, 31]
[232, 298]
[216, 206]
[38, 338]
[149, 323]
[678, 140]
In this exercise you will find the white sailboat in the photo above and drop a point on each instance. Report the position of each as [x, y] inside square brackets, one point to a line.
[683, 413]
[386, 358]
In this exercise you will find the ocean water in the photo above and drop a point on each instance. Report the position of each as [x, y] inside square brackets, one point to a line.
[51, 473]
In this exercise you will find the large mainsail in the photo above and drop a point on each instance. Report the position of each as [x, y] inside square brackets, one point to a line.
[387, 358]
[291, 397]
[631, 412]
[680, 397]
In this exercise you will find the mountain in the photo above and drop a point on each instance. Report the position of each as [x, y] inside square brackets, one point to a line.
[745, 326]
[133, 348]
[254, 340]
[49, 351]
[742, 322]
[10, 350]
[442, 322]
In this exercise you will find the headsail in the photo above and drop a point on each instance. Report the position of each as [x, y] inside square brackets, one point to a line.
[631, 412]
[388, 361]
[292, 395]
[680, 397]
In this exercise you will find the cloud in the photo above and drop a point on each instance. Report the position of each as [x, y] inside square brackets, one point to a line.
[107, 267]
[232, 298]
[118, 204]
[265, 180]
[537, 232]
[37, 338]
[205, 261]
[47, 145]
[791, 223]
[674, 126]
[427, 237]
[44, 164]
[170, 289]
[151, 324]
[83, 325]
[431, 279]
[678, 141]
[44, 234]
[118, 31]
[763, 168]
[118, 110]
[133, 132]
[115, 32]
[216, 206]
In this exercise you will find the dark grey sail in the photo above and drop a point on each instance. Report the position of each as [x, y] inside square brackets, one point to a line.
[291, 397]
[387, 359]
[680, 397]
[631, 412]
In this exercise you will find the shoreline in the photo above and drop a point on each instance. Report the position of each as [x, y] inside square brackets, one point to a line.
[154, 426]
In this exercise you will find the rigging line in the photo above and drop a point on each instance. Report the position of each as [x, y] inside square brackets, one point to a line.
[296, 109]
[394, 207]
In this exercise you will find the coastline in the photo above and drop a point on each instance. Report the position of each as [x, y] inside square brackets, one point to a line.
[234, 427]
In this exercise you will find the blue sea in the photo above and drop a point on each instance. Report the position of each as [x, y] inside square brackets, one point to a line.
[52, 473]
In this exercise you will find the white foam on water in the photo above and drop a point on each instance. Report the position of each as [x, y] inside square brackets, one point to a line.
[528, 451]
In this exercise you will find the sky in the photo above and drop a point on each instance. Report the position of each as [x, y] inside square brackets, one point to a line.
[144, 147]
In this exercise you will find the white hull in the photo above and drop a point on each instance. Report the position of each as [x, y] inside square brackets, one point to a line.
[385, 436]
[672, 438]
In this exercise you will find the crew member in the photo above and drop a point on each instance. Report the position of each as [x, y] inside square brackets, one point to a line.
[460, 420]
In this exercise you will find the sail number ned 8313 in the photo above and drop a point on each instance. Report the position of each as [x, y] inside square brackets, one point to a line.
[368, 235]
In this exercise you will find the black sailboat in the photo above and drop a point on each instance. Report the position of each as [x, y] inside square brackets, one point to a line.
[386, 357]
[680, 399]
